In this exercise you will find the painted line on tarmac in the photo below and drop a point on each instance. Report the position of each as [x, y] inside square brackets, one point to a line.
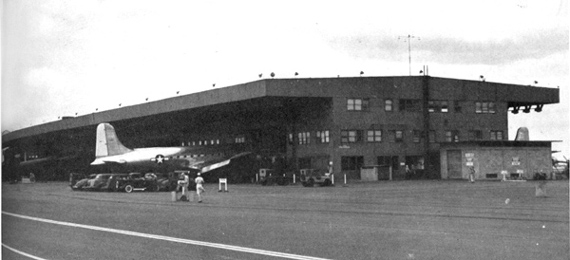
[170, 239]
[22, 253]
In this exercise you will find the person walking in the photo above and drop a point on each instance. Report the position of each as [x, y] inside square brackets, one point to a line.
[199, 188]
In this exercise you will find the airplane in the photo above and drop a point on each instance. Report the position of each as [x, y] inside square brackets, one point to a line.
[522, 134]
[110, 151]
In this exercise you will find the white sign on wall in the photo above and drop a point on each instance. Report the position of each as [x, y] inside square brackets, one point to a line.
[516, 161]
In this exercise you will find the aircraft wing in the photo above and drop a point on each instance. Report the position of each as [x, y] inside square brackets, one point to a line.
[222, 163]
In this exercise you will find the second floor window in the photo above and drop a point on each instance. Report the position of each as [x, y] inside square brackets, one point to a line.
[496, 135]
[452, 136]
[323, 137]
[350, 136]
[357, 104]
[304, 138]
[485, 107]
[388, 105]
[417, 136]
[374, 136]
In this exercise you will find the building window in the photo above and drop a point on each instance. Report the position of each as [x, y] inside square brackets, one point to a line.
[304, 138]
[410, 105]
[374, 136]
[475, 135]
[452, 136]
[397, 136]
[485, 107]
[444, 106]
[350, 136]
[431, 106]
[388, 105]
[323, 137]
[496, 135]
[351, 163]
[417, 136]
[457, 106]
[355, 104]
[438, 106]
[240, 140]
[431, 136]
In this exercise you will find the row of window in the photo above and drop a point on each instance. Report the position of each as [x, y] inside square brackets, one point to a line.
[237, 140]
[358, 136]
[415, 105]
[351, 163]
[376, 136]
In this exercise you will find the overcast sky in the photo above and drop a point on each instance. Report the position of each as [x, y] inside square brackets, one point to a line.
[62, 57]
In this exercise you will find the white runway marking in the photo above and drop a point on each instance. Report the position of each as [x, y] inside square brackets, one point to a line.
[22, 253]
[170, 239]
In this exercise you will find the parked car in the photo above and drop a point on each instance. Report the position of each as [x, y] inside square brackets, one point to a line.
[137, 182]
[169, 181]
[98, 182]
[310, 177]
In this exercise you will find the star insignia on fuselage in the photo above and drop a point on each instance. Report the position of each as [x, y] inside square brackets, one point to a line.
[159, 159]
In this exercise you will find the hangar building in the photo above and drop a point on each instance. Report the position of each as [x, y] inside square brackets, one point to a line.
[310, 122]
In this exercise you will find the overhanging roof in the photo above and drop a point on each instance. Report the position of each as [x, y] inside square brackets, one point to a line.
[297, 88]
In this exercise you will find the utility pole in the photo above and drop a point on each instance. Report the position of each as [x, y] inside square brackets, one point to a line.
[408, 38]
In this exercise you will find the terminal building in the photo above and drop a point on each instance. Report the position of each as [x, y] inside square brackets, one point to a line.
[403, 122]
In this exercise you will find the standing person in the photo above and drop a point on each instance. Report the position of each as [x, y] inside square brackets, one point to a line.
[199, 188]
[472, 174]
[183, 183]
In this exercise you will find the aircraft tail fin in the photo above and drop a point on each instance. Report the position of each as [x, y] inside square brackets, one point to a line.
[522, 134]
[107, 142]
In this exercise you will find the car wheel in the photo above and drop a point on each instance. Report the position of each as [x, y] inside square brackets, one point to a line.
[129, 188]
[310, 182]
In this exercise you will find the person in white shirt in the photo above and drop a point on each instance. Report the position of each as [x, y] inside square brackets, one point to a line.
[183, 182]
[199, 188]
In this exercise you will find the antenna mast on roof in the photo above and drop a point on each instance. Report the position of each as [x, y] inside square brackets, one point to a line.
[408, 38]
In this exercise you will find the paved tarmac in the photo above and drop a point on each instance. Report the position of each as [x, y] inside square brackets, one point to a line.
[381, 220]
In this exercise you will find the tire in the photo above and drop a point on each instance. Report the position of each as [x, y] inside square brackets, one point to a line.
[310, 182]
[129, 188]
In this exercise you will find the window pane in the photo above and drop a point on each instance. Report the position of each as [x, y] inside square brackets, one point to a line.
[358, 104]
[350, 104]
[388, 105]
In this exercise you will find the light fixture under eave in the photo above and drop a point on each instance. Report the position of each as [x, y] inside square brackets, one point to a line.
[538, 108]
[515, 110]
[527, 109]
